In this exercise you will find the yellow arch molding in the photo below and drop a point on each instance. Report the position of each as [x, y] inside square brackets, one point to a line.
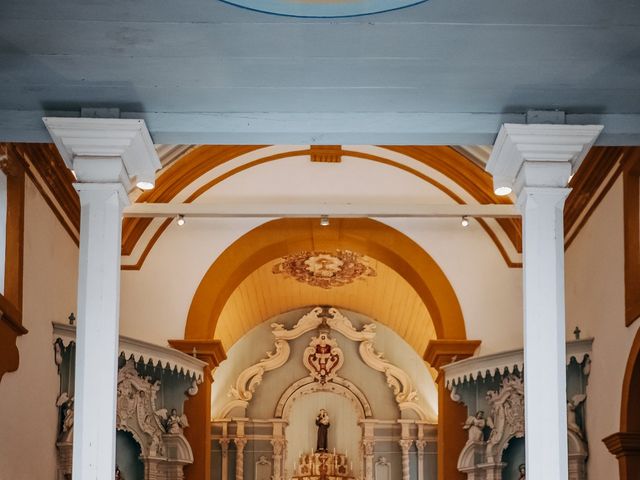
[285, 236]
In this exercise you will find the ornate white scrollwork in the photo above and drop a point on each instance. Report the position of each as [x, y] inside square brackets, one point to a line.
[338, 322]
[251, 377]
[136, 409]
[397, 379]
[507, 415]
[306, 323]
[323, 358]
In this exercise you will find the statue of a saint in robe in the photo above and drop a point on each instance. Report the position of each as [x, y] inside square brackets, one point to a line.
[322, 422]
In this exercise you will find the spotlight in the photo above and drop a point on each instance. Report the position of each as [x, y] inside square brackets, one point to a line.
[180, 220]
[324, 220]
[502, 191]
[501, 186]
[464, 222]
[145, 182]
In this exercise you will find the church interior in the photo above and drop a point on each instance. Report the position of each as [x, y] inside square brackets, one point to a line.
[319, 240]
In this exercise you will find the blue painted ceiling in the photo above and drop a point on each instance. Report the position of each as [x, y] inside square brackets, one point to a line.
[203, 71]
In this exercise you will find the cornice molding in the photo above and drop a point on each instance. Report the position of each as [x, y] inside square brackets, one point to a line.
[623, 444]
[444, 351]
[538, 154]
[209, 351]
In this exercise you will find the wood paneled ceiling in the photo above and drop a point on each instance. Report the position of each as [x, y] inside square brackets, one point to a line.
[386, 297]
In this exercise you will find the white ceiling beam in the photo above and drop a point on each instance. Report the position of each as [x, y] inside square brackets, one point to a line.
[300, 209]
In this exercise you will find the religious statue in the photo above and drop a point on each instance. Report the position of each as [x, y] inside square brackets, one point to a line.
[176, 423]
[474, 426]
[66, 403]
[522, 471]
[119, 475]
[572, 422]
[322, 422]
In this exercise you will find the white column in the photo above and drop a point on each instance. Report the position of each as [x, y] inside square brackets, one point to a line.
[536, 161]
[240, 442]
[278, 448]
[368, 447]
[104, 154]
[97, 331]
[405, 445]
[224, 447]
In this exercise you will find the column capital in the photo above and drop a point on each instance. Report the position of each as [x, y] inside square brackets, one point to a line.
[106, 150]
[240, 442]
[538, 155]
[441, 352]
[623, 444]
[405, 445]
[210, 351]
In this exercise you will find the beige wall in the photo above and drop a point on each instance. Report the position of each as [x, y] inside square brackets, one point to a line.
[28, 396]
[595, 302]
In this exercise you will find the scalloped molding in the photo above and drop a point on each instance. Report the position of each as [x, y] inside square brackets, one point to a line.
[143, 351]
[506, 362]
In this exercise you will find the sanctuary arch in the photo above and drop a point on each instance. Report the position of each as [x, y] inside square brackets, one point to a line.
[368, 237]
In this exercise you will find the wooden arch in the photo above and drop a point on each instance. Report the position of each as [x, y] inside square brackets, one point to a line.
[285, 236]
[195, 164]
[625, 444]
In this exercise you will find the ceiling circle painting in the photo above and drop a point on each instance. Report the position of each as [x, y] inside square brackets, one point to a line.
[323, 8]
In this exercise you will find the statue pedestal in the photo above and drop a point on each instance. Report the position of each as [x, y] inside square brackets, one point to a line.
[323, 466]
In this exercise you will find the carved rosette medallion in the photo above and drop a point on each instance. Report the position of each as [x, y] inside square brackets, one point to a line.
[325, 269]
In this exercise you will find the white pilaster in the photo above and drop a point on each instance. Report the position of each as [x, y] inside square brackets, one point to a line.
[536, 161]
[106, 155]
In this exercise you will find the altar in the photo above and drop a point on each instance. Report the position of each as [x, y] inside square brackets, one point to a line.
[323, 466]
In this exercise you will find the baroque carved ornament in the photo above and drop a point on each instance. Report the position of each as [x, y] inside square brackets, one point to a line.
[323, 358]
[324, 269]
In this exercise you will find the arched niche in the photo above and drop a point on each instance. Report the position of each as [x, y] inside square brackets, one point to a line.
[368, 237]
[302, 427]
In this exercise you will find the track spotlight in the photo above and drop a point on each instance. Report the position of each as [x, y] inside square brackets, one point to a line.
[464, 222]
[501, 186]
[180, 220]
[324, 220]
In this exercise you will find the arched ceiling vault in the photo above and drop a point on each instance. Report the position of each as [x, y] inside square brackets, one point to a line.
[385, 297]
[203, 168]
[411, 295]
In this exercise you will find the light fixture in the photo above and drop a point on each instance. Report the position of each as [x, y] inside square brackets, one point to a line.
[465, 221]
[180, 220]
[145, 182]
[324, 220]
[501, 186]
[502, 191]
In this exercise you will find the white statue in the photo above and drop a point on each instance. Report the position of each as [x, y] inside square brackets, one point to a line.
[474, 426]
[176, 423]
[66, 402]
[572, 422]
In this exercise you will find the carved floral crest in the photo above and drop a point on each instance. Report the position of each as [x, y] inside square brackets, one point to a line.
[324, 269]
[323, 358]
